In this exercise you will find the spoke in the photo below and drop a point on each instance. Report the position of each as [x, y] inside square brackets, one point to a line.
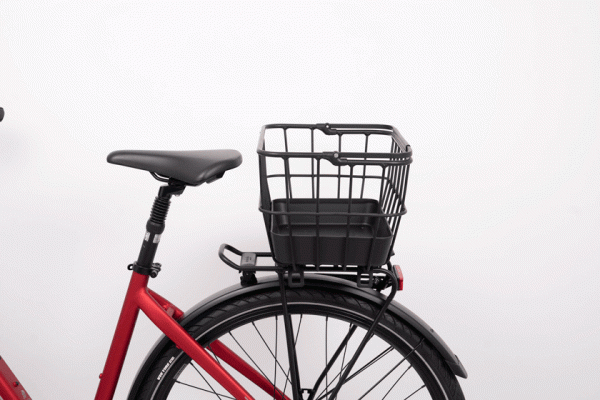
[343, 345]
[410, 395]
[209, 385]
[248, 355]
[382, 378]
[370, 363]
[346, 346]
[204, 390]
[217, 358]
[321, 396]
[398, 380]
[263, 340]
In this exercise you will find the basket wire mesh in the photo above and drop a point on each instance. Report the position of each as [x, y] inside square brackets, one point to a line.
[332, 194]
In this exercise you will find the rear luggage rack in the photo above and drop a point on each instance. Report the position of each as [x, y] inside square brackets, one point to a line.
[373, 278]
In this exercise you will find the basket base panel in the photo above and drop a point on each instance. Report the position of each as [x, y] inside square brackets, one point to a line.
[307, 249]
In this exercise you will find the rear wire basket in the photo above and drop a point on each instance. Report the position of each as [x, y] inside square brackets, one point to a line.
[332, 194]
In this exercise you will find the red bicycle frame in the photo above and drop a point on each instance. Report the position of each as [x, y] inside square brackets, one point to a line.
[10, 387]
[165, 315]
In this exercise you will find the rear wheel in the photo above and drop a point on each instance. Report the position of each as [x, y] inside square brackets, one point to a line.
[397, 362]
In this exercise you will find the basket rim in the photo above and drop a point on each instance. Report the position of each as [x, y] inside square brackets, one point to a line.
[404, 157]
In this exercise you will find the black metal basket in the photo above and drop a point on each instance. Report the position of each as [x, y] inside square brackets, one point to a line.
[338, 193]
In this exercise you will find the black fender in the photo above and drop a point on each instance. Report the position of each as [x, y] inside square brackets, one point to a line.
[310, 281]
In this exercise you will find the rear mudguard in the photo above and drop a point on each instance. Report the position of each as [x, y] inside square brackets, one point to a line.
[310, 281]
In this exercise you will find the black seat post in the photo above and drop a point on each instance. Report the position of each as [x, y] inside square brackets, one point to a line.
[155, 227]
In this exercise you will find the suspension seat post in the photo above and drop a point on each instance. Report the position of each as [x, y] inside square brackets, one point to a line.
[155, 227]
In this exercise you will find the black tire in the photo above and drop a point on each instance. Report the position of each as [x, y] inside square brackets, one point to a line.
[255, 322]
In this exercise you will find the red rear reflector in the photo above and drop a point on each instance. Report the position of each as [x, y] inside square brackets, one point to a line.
[400, 277]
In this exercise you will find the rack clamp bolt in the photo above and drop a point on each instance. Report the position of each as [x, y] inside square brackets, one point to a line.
[155, 269]
[248, 278]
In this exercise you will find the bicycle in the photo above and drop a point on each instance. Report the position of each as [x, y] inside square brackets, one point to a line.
[259, 339]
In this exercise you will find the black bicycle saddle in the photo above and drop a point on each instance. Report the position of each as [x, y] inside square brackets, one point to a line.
[192, 167]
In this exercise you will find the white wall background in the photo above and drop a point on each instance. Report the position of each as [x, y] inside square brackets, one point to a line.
[499, 100]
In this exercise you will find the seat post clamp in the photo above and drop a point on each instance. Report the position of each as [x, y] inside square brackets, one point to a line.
[152, 271]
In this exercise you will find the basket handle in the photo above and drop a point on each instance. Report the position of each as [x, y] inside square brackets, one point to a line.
[383, 159]
[337, 129]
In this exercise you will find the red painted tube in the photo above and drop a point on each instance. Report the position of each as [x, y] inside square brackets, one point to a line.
[171, 309]
[122, 338]
[163, 314]
[184, 341]
[227, 355]
[10, 387]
